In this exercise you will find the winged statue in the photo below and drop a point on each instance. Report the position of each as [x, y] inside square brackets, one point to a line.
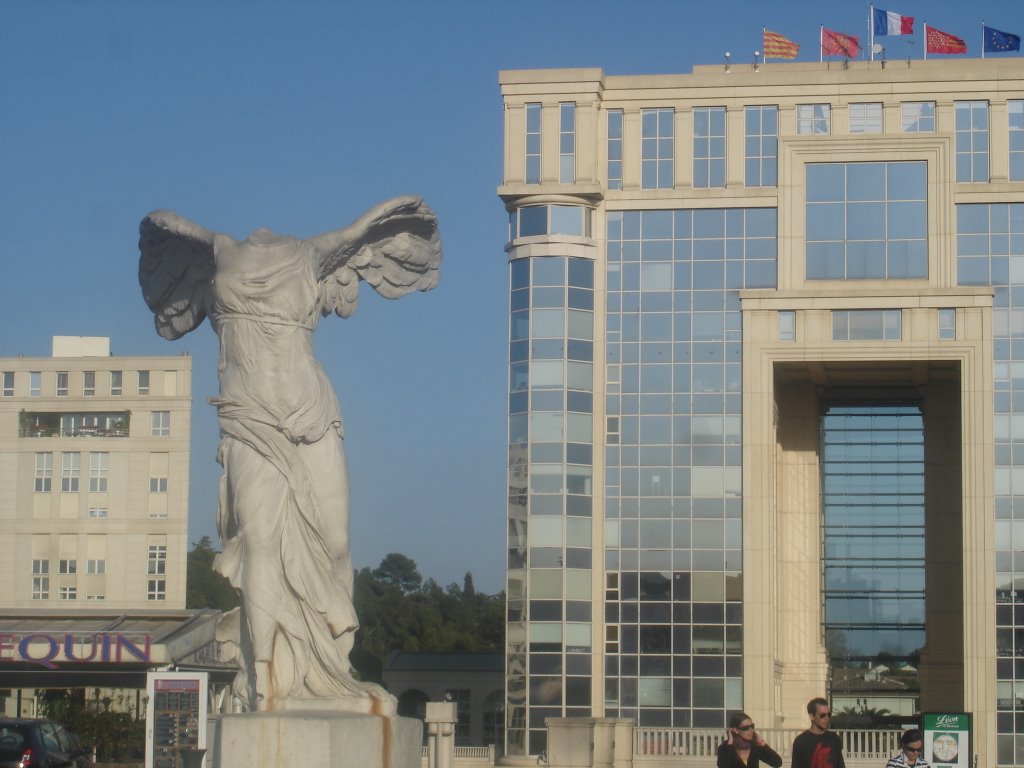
[283, 511]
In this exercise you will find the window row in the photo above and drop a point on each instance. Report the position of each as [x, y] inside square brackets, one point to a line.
[99, 474]
[88, 424]
[156, 583]
[658, 149]
[114, 383]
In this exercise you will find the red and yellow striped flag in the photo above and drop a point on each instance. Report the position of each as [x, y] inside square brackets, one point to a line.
[775, 46]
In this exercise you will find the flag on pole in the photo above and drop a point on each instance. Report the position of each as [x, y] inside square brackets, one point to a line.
[891, 23]
[775, 46]
[838, 44]
[996, 41]
[936, 41]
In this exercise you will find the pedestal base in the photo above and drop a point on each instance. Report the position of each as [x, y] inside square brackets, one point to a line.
[317, 739]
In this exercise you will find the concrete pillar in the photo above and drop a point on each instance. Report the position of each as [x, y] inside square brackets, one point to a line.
[440, 720]
[590, 742]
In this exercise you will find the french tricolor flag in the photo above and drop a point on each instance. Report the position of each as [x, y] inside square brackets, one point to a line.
[890, 23]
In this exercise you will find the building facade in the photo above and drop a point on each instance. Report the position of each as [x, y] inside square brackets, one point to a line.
[94, 478]
[766, 352]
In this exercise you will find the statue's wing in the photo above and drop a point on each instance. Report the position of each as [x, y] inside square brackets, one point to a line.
[395, 247]
[176, 269]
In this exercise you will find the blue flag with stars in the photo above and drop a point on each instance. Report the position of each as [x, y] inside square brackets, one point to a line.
[996, 41]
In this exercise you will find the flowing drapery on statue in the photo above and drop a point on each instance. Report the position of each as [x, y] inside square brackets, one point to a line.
[284, 511]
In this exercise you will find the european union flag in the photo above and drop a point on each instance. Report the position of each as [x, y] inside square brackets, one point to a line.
[996, 41]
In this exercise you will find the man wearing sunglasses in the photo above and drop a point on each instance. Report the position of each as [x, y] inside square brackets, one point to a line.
[818, 747]
[911, 747]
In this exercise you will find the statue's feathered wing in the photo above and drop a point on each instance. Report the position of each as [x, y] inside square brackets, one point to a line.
[176, 269]
[394, 247]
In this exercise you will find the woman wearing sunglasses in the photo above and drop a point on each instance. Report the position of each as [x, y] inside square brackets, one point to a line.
[744, 747]
[911, 747]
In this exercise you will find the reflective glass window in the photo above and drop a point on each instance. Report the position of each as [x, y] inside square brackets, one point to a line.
[918, 116]
[761, 148]
[615, 149]
[657, 152]
[566, 143]
[532, 175]
[709, 147]
[865, 118]
[1015, 114]
[813, 118]
[972, 141]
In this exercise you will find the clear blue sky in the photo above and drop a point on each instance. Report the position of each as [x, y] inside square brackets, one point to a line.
[298, 116]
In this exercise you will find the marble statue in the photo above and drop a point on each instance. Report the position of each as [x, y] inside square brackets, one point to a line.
[284, 496]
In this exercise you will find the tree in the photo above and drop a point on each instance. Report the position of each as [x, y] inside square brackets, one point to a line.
[399, 571]
[205, 588]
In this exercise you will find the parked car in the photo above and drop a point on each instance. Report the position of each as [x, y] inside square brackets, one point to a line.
[40, 744]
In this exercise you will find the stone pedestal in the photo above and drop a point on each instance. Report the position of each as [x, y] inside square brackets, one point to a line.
[317, 739]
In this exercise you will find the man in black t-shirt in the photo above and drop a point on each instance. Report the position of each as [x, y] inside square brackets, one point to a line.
[818, 747]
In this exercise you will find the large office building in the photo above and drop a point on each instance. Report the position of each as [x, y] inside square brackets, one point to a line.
[766, 397]
[94, 453]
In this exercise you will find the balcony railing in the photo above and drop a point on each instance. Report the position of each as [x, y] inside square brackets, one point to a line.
[50, 424]
[679, 742]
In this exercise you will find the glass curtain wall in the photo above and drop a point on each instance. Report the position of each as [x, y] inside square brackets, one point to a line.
[673, 443]
[990, 251]
[551, 353]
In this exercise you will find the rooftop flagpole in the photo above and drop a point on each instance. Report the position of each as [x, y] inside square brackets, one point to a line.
[871, 29]
[926, 41]
[983, 38]
[821, 43]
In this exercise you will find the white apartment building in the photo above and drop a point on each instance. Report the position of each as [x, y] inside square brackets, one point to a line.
[94, 478]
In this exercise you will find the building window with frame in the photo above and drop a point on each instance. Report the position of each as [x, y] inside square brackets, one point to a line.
[97, 512]
[867, 324]
[947, 324]
[161, 426]
[67, 593]
[99, 470]
[156, 568]
[918, 116]
[96, 567]
[96, 597]
[156, 589]
[865, 118]
[116, 383]
[88, 383]
[971, 140]
[813, 118]
[657, 148]
[68, 567]
[44, 473]
[867, 220]
[615, 149]
[158, 485]
[35, 383]
[70, 468]
[143, 382]
[761, 146]
[62, 383]
[709, 147]
[533, 111]
[8, 383]
[567, 143]
[787, 325]
[40, 580]
[1015, 114]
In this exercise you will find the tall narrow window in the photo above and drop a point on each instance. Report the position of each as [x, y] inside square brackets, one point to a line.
[657, 131]
[8, 383]
[787, 325]
[89, 383]
[116, 383]
[70, 469]
[156, 586]
[615, 149]
[1015, 109]
[813, 118]
[761, 146]
[99, 469]
[161, 423]
[865, 118]
[947, 324]
[709, 147]
[62, 383]
[143, 382]
[533, 143]
[40, 579]
[44, 472]
[918, 116]
[971, 140]
[35, 383]
[566, 143]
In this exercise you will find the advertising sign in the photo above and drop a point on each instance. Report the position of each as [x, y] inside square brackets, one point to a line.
[947, 739]
[175, 717]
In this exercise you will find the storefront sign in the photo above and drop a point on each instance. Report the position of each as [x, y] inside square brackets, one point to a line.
[947, 740]
[47, 650]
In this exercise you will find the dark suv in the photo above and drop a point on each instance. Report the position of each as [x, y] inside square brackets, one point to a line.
[40, 744]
